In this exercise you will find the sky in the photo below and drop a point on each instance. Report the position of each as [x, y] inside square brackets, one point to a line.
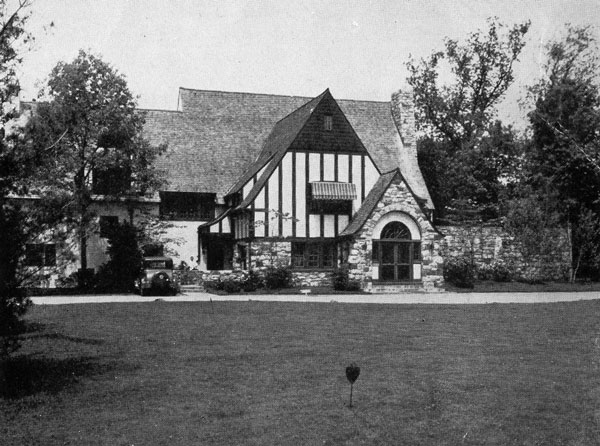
[357, 49]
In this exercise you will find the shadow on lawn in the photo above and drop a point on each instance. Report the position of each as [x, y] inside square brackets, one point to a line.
[25, 375]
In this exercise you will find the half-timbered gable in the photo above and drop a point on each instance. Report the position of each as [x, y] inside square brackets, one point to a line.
[311, 176]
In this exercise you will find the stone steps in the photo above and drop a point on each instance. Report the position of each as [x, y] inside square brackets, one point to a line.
[191, 288]
[394, 288]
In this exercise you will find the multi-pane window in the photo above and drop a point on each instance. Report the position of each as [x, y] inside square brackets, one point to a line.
[187, 206]
[395, 253]
[40, 254]
[328, 122]
[314, 255]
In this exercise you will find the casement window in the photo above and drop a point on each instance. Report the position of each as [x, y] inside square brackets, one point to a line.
[40, 254]
[187, 206]
[328, 122]
[107, 224]
[314, 255]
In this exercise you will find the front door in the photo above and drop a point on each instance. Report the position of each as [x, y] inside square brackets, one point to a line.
[395, 263]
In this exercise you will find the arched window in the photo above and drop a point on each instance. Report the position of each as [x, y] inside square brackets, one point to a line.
[396, 231]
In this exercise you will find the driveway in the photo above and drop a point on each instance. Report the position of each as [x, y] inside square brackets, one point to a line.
[408, 298]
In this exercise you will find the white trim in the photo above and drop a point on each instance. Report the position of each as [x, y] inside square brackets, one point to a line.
[413, 227]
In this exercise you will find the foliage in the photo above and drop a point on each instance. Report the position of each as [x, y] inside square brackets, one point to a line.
[564, 149]
[92, 129]
[534, 220]
[482, 69]
[278, 277]
[498, 271]
[586, 245]
[246, 281]
[19, 163]
[478, 178]
[565, 121]
[123, 267]
[13, 303]
[468, 152]
[253, 281]
[460, 272]
[342, 281]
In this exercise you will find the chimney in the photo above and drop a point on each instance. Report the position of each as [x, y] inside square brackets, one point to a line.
[403, 113]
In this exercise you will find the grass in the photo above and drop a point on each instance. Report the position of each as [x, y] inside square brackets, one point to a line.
[489, 286]
[262, 373]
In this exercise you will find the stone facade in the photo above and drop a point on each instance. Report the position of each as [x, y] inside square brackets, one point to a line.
[486, 245]
[397, 199]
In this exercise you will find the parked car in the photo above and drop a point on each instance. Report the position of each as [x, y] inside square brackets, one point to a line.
[157, 276]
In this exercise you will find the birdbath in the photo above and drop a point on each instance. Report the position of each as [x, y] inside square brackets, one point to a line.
[352, 372]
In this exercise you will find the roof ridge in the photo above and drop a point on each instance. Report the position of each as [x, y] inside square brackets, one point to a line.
[247, 93]
[273, 95]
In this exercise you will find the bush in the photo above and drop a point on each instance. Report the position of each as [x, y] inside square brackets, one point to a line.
[342, 282]
[278, 277]
[501, 272]
[460, 272]
[498, 271]
[232, 285]
[252, 282]
[214, 285]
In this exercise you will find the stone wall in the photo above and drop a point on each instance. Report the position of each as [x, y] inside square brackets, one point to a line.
[487, 245]
[397, 198]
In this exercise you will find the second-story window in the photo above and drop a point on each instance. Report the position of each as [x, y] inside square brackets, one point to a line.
[187, 206]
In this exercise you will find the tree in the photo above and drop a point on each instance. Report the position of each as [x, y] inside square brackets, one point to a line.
[18, 164]
[566, 120]
[120, 272]
[565, 146]
[458, 117]
[91, 123]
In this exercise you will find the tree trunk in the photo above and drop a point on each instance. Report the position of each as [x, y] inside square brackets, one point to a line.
[83, 279]
[3, 374]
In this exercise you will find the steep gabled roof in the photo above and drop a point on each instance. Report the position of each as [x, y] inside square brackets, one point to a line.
[373, 198]
[216, 136]
[280, 138]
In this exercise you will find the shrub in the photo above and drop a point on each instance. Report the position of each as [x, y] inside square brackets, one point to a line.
[278, 277]
[460, 272]
[501, 272]
[215, 285]
[342, 281]
[253, 281]
[232, 285]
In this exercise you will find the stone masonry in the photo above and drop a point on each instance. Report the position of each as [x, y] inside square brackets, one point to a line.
[397, 198]
[487, 245]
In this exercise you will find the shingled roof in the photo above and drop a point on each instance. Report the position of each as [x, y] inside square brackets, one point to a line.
[215, 137]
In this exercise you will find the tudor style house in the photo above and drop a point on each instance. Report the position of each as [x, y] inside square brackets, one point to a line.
[314, 184]
[311, 183]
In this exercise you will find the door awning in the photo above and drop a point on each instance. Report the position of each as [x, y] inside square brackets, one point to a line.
[333, 190]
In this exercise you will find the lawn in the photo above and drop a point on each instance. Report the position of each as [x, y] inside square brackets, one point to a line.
[261, 373]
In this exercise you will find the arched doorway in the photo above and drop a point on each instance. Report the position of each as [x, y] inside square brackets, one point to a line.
[397, 253]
